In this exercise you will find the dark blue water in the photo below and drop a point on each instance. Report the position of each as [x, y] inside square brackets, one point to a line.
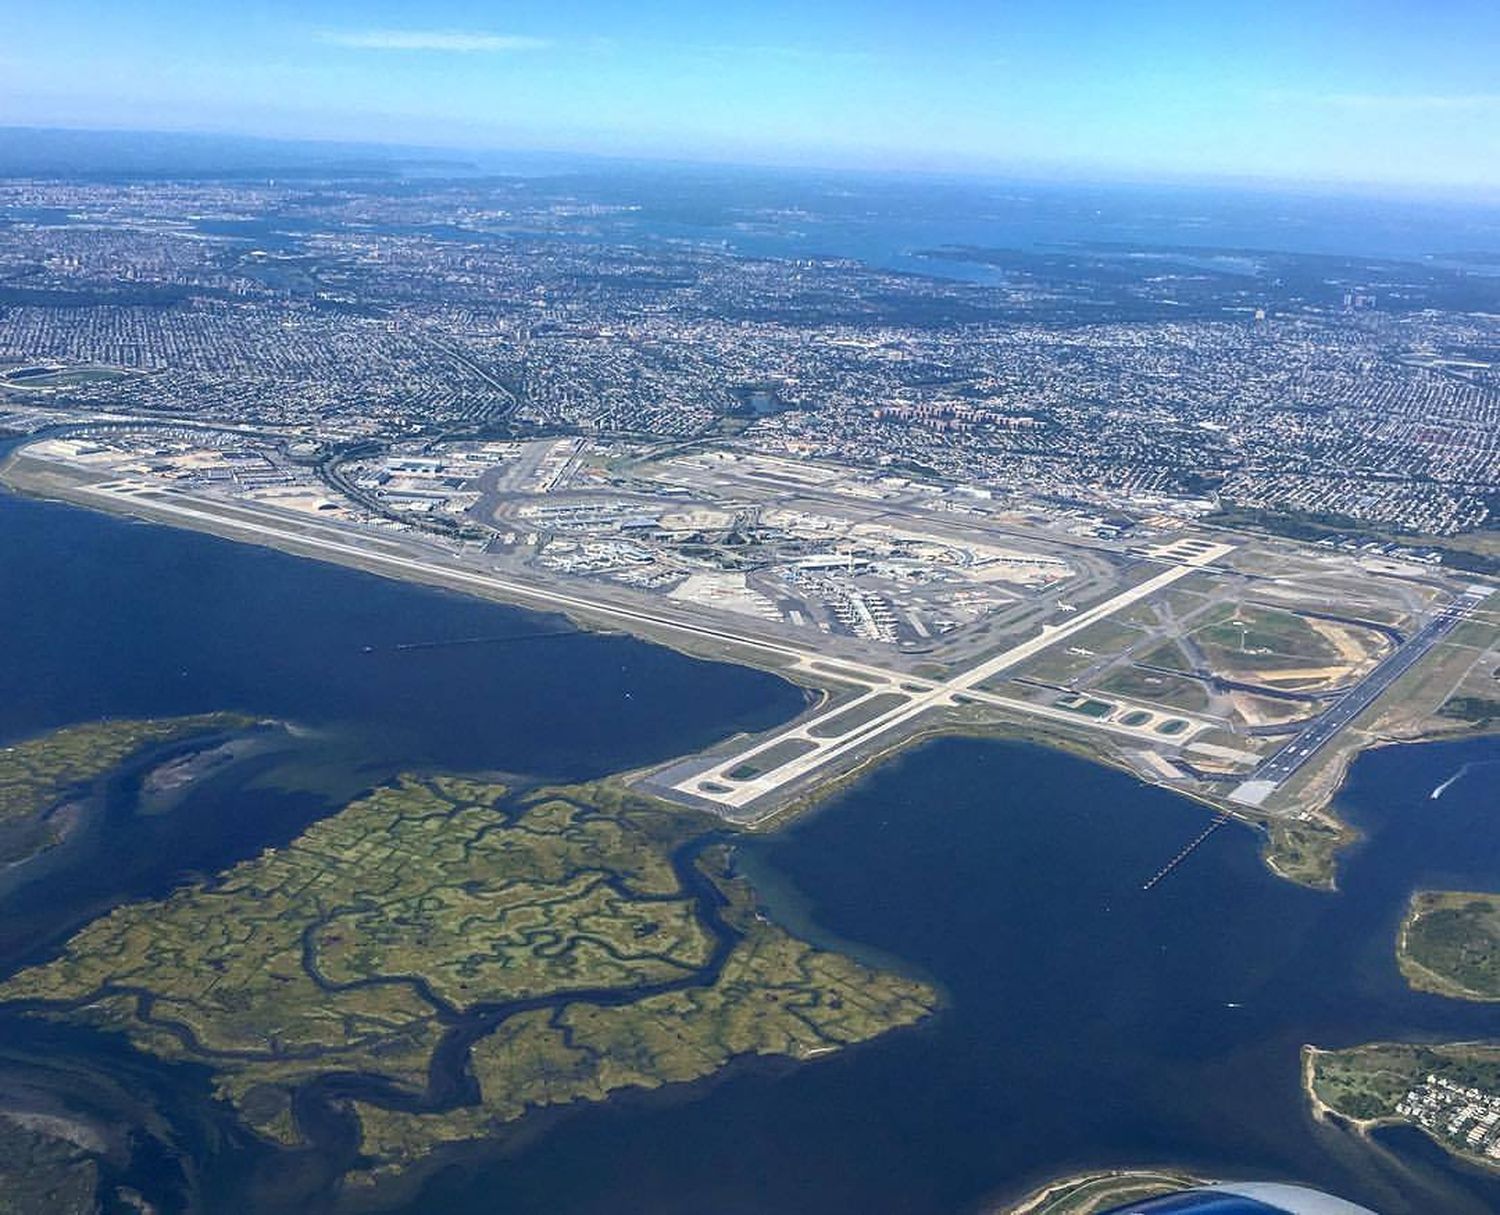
[1087, 1022]
[105, 617]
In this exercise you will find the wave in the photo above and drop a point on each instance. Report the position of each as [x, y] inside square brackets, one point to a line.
[1456, 777]
[1452, 780]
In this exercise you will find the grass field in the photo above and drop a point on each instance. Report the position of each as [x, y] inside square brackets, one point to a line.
[1279, 648]
[1168, 655]
[1060, 663]
[1366, 1082]
[1450, 944]
[1259, 633]
[1171, 691]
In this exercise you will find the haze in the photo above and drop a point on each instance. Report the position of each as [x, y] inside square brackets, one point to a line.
[1387, 93]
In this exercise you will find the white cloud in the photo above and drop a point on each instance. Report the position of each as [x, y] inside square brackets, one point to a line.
[1392, 103]
[718, 50]
[452, 41]
[1404, 103]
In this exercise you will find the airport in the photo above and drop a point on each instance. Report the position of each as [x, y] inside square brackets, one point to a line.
[1210, 661]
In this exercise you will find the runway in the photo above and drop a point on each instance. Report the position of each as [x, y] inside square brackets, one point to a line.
[715, 786]
[721, 785]
[1278, 768]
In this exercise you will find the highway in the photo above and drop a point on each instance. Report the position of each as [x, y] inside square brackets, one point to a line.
[1279, 767]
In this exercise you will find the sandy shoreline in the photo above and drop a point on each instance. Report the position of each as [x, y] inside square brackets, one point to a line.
[1098, 1186]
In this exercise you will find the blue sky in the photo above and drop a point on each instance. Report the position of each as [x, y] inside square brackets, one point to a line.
[1375, 91]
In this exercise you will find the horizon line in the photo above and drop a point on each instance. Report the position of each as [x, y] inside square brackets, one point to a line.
[1060, 172]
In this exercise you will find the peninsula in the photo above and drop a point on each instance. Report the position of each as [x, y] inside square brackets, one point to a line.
[1446, 945]
[1449, 944]
[45, 781]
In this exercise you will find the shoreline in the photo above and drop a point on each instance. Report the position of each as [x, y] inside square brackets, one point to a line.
[1094, 1187]
[48, 482]
[1328, 1115]
[1418, 975]
[1321, 1110]
[30, 477]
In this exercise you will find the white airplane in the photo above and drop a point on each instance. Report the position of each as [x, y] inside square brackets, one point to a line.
[1243, 1198]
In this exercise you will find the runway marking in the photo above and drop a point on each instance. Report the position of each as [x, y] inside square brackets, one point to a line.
[714, 784]
[1279, 767]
